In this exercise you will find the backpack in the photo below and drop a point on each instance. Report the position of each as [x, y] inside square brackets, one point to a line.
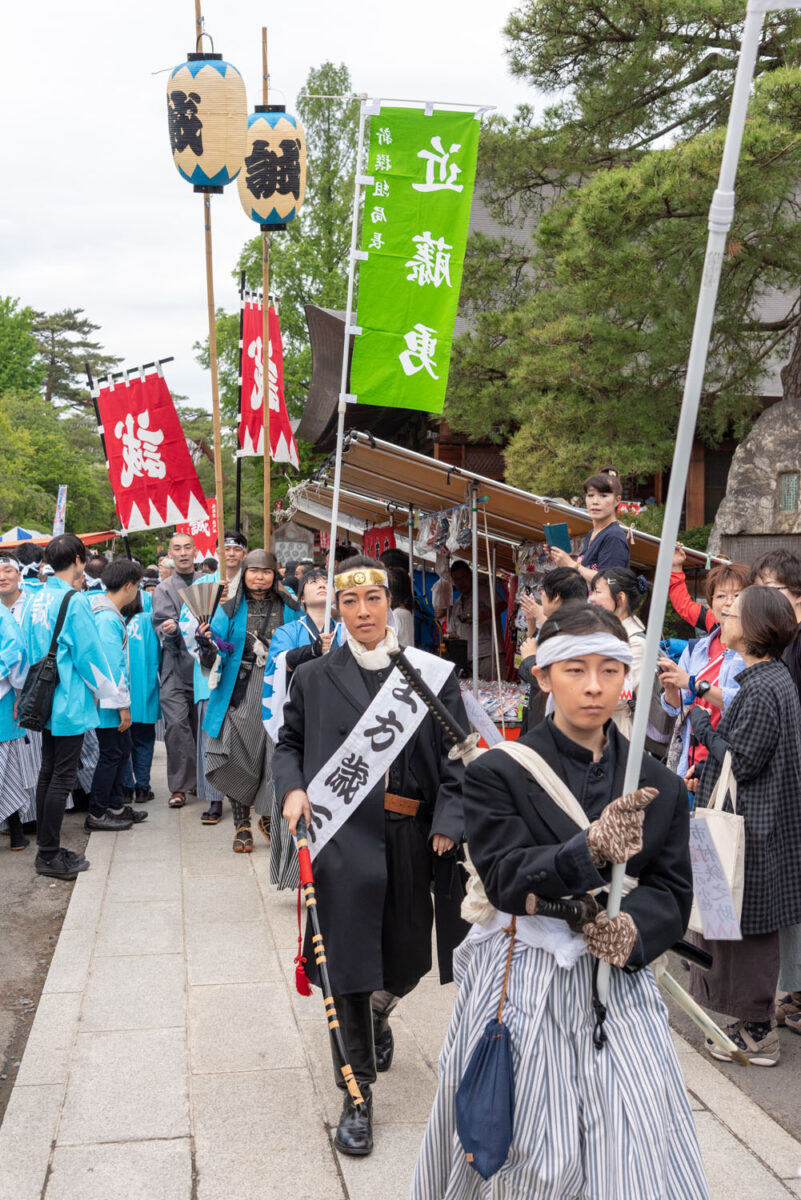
[427, 629]
[35, 703]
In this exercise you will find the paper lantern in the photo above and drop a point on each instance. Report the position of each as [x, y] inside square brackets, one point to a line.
[272, 184]
[207, 111]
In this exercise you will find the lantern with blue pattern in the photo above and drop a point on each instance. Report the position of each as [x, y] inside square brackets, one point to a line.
[272, 183]
[207, 111]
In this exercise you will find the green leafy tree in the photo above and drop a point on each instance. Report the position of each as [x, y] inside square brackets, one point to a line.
[20, 368]
[580, 338]
[65, 347]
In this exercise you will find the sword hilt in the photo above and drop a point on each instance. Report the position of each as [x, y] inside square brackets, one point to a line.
[431, 700]
[577, 911]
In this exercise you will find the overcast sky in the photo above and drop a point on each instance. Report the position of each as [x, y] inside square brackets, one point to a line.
[94, 215]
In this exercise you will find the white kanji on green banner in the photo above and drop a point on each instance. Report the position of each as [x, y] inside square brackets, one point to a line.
[414, 232]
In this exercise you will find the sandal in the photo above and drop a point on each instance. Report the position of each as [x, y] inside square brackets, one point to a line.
[212, 815]
[243, 842]
[789, 1006]
[177, 800]
[264, 827]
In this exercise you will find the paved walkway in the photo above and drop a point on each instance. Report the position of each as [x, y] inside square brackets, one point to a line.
[171, 1058]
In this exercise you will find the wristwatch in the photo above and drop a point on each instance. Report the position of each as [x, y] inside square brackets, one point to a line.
[701, 689]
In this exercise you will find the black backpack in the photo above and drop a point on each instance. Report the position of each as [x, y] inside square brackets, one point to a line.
[35, 702]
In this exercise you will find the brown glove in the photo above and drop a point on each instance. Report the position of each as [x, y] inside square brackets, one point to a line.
[611, 938]
[617, 834]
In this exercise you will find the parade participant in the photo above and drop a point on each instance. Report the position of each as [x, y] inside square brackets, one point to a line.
[176, 694]
[144, 658]
[83, 674]
[239, 753]
[383, 823]
[10, 581]
[292, 644]
[29, 747]
[619, 590]
[107, 807]
[17, 783]
[594, 1117]
[235, 547]
[706, 674]
[31, 558]
[781, 569]
[92, 574]
[606, 545]
[762, 730]
[201, 684]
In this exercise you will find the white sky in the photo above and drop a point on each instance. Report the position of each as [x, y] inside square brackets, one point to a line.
[93, 213]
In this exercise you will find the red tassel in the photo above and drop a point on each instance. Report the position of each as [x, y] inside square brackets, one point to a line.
[301, 978]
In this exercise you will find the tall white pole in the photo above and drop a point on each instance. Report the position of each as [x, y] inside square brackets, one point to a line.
[474, 631]
[720, 218]
[343, 383]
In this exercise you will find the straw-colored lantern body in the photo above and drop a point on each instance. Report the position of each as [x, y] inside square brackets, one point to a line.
[272, 183]
[207, 111]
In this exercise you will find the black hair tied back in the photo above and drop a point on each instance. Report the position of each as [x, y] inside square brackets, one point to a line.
[643, 586]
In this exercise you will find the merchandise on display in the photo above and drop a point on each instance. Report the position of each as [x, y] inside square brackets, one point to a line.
[507, 705]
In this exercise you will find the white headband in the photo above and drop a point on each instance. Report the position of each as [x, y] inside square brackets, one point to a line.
[566, 645]
[10, 562]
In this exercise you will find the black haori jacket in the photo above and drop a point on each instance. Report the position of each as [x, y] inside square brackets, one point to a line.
[515, 833]
[327, 698]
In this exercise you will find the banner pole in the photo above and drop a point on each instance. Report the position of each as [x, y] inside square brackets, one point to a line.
[265, 328]
[102, 435]
[474, 539]
[721, 213]
[215, 391]
[238, 513]
[343, 383]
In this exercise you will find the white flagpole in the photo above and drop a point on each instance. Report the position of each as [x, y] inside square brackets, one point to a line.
[720, 218]
[343, 396]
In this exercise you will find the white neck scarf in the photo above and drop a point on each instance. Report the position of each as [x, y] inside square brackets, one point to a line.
[377, 658]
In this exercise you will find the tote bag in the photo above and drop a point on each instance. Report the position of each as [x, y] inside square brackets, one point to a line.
[728, 834]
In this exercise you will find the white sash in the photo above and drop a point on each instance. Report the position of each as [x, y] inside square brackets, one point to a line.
[371, 747]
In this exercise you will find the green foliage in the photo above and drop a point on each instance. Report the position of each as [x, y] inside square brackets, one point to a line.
[66, 347]
[579, 339]
[696, 538]
[39, 450]
[20, 369]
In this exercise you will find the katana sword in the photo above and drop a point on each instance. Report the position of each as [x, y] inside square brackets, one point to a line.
[320, 958]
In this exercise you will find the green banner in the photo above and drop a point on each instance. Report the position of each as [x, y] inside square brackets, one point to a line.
[414, 231]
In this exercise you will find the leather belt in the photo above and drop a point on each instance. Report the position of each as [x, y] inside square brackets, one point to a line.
[401, 804]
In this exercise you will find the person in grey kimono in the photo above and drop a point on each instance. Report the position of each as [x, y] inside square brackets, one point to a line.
[176, 691]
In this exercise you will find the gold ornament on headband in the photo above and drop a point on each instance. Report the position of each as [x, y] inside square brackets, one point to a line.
[361, 577]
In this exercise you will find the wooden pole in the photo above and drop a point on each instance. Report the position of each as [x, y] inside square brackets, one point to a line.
[265, 335]
[215, 390]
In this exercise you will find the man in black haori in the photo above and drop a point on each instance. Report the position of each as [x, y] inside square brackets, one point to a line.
[385, 822]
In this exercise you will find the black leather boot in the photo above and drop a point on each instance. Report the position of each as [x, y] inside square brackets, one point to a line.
[354, 1134]
[382, 1004]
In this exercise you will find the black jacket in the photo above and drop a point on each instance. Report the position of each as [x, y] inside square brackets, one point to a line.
[515, 833]
[327, 697]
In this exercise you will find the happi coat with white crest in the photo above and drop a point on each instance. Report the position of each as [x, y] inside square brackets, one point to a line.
[374, 878]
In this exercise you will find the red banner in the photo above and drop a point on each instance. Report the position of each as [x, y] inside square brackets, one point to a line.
[149, 465]
[204, 531]
[283, 447]
[378, 539]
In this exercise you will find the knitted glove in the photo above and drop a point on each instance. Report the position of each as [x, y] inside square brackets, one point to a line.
[611, 938]
[617, 834]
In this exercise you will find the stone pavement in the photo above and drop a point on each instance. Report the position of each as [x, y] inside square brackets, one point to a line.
[171, 1059]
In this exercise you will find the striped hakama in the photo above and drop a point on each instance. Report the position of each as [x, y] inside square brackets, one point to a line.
[206, 790]
[90, 753]
[19, 774]
[284, 868]
[610, 1124]
[240, 757]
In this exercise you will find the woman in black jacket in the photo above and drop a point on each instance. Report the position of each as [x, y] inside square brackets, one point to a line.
[762, 729]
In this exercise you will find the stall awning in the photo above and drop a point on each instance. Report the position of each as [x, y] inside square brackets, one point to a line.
[41, 539]
[380, 481]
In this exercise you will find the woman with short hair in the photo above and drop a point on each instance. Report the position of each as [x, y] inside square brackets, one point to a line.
[761, 728]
